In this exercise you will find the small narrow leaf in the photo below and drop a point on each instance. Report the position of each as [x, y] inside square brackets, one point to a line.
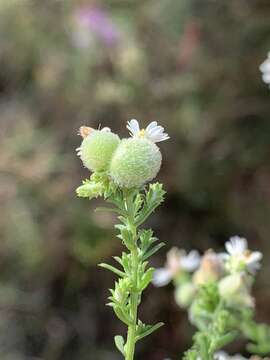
[153, 250]
[121, 315]
[149, 329]
[104, 209]
[112, 269]
[224, 340]
[146, 279]
[203, 343]
[120, 343]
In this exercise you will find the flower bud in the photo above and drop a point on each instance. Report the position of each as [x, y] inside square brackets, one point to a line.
[234, 289]
[136, 161]
[184, 294]
[211, 269]
[97, 149]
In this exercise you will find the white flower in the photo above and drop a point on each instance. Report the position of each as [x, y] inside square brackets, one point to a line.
[161, 277]
[153, 132]
[211, 268]
[240, 256]
[222, 355]
[191, 261]
[265, 69]
[177, 261]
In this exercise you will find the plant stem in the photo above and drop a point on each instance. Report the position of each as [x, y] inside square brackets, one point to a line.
[131, 338]
[134, 296]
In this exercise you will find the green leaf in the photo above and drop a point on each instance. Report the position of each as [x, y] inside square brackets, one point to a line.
[112, 269]
[203, 345]
[124, 261]
[190, 355]
[126, 235]
[107, 209]
[146, 330]
[146, 239]
[154, 197]
[224, 340]
[120, 343]
[90, 189]
[259, 349]
[146, 279]
[122, 315]
[138, 203]
[153, 250]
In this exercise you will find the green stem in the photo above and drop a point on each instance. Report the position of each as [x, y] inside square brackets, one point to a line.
[134, 300]
[134, 296]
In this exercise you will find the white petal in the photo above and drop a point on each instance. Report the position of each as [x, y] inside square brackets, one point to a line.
[191, 261]
[163, 137]
[155, 130]
[158, 137]
[133, 127]
[79, 151]
[152, 125]
[236, 245]
[221, 355]
[161, 277]
[106, 129]
[253, 262]
[266, 78]
[265, 66]
[255, 256]
[229, 247]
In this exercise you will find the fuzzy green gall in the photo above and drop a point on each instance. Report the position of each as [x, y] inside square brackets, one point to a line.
[135, 162]
[97, 149]
[118, 166]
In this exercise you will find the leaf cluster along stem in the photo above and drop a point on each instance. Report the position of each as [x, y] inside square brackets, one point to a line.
[133, 207]
[216, 324]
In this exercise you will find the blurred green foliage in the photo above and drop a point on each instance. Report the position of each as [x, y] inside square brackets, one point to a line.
[192, 66]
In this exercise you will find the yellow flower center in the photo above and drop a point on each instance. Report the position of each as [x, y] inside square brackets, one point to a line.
[142, 133]
[247, 254]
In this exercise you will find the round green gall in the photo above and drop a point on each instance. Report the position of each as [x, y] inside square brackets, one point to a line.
[135, 162]
[97, 149]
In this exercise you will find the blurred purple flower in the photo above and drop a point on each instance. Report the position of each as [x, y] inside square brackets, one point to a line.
[97, 22]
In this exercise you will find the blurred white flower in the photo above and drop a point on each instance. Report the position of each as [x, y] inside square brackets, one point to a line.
[191, 261]
[265, 69]
[161, 277]
[153, 132]
[239, 257]
[177, 261]
[235, 290]
[211, 268]
[222, 355]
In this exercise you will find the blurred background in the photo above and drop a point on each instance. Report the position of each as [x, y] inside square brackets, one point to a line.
[191, 65]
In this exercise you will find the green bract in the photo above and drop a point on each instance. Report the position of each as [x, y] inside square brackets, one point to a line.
[136, 161]
[97, 149]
